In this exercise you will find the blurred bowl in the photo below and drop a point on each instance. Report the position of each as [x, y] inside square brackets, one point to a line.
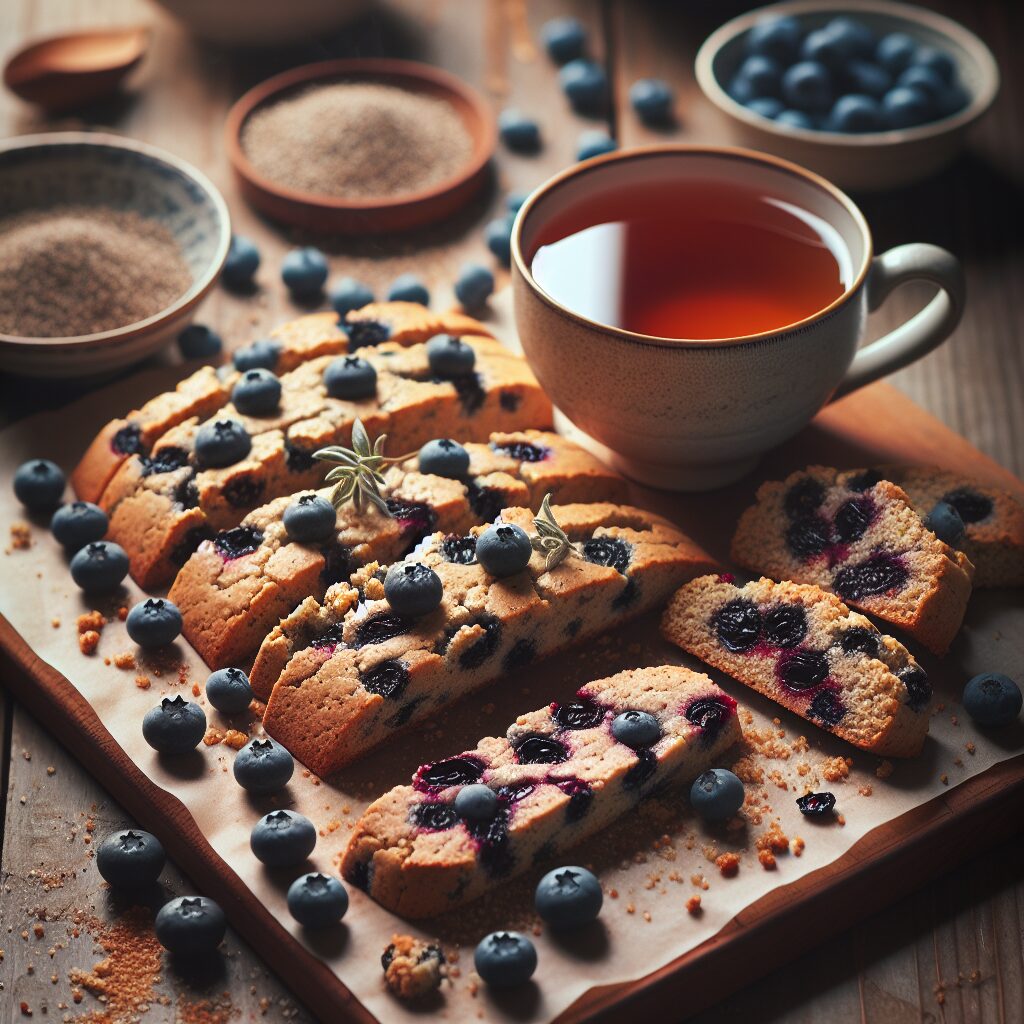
[93, 169]
[872, 160]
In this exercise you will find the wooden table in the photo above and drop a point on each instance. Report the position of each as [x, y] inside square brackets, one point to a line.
[953, 951]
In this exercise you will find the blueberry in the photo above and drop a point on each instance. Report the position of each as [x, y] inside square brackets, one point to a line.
[474, 285]
[756, 77]
[257, 393]
[717, 794]
[304, 271]
[737, 625]
[413, 588]
[503, 550]
[895, 52]
[282, 839]
[229, 691]
[221, 442]
[174, 726]
[652, 99]
[190, 925]
[906, 106]
[261, 354]
[778, 38]
[505, 959]
[816, 805]
[594, 142]
[130, 858]
[99, 566]
[924, 79]
[263, 766]
[992, 699]
[408, 288]
[39, 484]
[243, 260]
[348, 295]
[565, 39]
[154, 622]
[498, 235]
[444, 457]
[796, 119]
[518, 131]
[855, 114]
[853, 36]
[310, 519]
[450, 356]
[867, 79]
[766, 106]
[317, 901]
[78, 524]
[351, 378]
[514, 200]
[935, 60]
[198, 341]
[807, 86]
[636, 729]
[945, 522]
[825, 47]
[585, 84]
[568, 897]
[476, 802]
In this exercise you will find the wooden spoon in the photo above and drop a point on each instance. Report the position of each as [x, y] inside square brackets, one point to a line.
[74, 70]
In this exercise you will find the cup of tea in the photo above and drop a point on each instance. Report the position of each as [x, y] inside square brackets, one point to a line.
[688, 308]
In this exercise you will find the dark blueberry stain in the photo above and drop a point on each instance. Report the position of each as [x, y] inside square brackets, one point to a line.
[360, 878]
[857, 639]
[785, 625]
[186, 494]
[242, 540]
[338, 564]
[298, 460]
[803, 498]
[459, 550]
[540, 750]
[737, 625]
[522, 653]
[522, 451]
[878, 575]
[510, 400]
[332, 637]
[580, 795]
[918, 688]
[415, 519]
[808, 536]
[388, 679]
[970, 505]
[243, 491]
[435, 817]
[128, 440]
[573, 626]
[485, 502]
[404, 714]
[710, 714]
[365, 332]
[455, 771]
[852, 519]
[483, 648]
[826, 707]
[379, 628]
[627, 596]
[609, 551]
[167, 460]
[578, 714]
[189, 544]
[802, 670]
[469, 388]
[864, 481]
[641, 772]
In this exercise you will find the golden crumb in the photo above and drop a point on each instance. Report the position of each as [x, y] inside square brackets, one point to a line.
[91, 621]
[88, 641]
[774, 840]
[865, 790]
[802, 768]
[944, 779]
[693, 906]
[142, 682]
[884, 770]
[213, 736]
[257, 708]
[122, 612]
[235, 739]
[55, 623]
[728, 864]
[412, 968]
[21, 536]
[195, 690]
[835, 769]
[767, 859]
[125, 660]
[970, 748]
[797, 846]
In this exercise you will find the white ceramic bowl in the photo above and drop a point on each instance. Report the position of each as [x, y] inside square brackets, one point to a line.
[38, 171]
[874, 160]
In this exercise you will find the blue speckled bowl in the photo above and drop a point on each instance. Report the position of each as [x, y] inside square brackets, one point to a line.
[39, 171]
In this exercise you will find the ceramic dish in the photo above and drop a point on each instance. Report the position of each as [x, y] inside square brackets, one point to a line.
[93, 169]
[329, 214]
[870, 161]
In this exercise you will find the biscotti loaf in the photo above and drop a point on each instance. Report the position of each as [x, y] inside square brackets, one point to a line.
[865, 543]
[232, 594]
[164, 505]
[559, 776]
[362, 677]
[801, 646]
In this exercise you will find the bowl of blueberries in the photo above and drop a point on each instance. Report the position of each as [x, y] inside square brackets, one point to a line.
[871, 95]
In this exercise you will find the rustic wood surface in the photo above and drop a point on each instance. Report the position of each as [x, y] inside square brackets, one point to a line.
[953, 951]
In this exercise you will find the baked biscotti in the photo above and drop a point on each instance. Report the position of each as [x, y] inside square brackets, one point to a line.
[802, 647]
[559, 776]
[349, 683]
[232, 594]
[865, 543]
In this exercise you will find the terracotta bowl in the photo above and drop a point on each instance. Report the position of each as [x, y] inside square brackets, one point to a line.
[874, 160]
[328, 214]
[91, 169]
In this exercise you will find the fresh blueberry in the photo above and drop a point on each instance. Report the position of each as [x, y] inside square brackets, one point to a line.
[568, 897]
[855, 114]
[351, 378]
[757, 76]
[925, 79]
[498, 235]
[816, 805]
[935, 60]
[476, 802]
[154, 622]
[505, 959]
[586, 85]
[304, 271]
[348, 295]
[99, 566]
[565, 39]
[261, 354]
[190, 925]
[594, 142]
[895, 52]
[826, 47]
[637, 729]
[78, 524]
[778, 38]
[263, 766]
[130, 858]
[450, 356]
[906, 107]
[444, 457]
[652, 100]
[257, 393]
[992, 699]
[503, 550]
[198, 341]
[408, 288]
[174, 726]
[413, 589]
[807, 86]
[221, 442]
[945, 522]
[514, 200]
[282, 839]
[310, 519]
[39, 484]
[518, 131]
[717, 794]
[317, 901]
[796, 119]
[766, 106]
[867, 79]
[229, 691]
[474, 285]
[243, 260]
[854, 37]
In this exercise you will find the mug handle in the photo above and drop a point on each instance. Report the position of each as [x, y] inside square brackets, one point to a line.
[925, 330]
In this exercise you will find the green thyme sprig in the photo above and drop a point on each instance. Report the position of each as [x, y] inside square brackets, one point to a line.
[551, 540]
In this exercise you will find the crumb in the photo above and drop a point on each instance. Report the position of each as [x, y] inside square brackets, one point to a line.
[213, 736]
[88, 641]
[55, 623]
[865, 790]
[944, 779]
[728, 864]
[235, 739]
[91, 620]
[195, 690]
[803, 768]
[767, 859]
[884, 770]
[693, 906]
[38, 930]
[797, 846]
[50, 770]
[835, 769]
[841, 819]
[124, 660]
[970, 748]
[142, 682]
[630, 908]
[21, 536]
[122, 612]
[412, 968]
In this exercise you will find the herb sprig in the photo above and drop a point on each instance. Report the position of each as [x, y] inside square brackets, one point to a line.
[551, 540]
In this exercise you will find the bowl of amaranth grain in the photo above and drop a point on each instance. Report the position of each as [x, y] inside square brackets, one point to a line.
[107, 246]
[360, 146]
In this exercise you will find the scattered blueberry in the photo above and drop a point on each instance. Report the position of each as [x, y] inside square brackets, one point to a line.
[565, 39]
[348, 295]
[263, 766]
[190, 925]
[198, 341]
[450, 356]
[130, 858]
[717, 794]
[895, 52]
[503, 550]
[992, 699]
[756, 77]
[317, 901]
[498, 235]
[854, 114]
[796, 119]
[99, 566]
[936, 60]
[505, 959]
[474, 286]
[514, 200]
[766, 106]
[586, 85]
[652, 100]
[282, 839]
[174, 726]
[261, 354]
[154, 622]
[807, 86]
[257, 393]
[778, 38]
[925, 79]
[229, 690]
[39, 484]
[413, 589]
[243, 260]
[408, 288]
[310, 519]
[867, 79]
[636, 729]
[568, 897]
[444, 457]
[221, 442]
[304, 271]
[826, 47]
[816, 805]
[594, 142]
[351, 378]
[945, 522]
[518, 131]
[78, 524]
[906, 106]
[476, 802]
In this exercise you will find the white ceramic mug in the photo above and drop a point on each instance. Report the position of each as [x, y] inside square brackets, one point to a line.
[692, 415]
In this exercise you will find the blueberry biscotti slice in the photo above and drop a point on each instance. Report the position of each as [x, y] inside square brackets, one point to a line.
[350, 682]
[557, 777]
[865, 543]
[801, 646]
